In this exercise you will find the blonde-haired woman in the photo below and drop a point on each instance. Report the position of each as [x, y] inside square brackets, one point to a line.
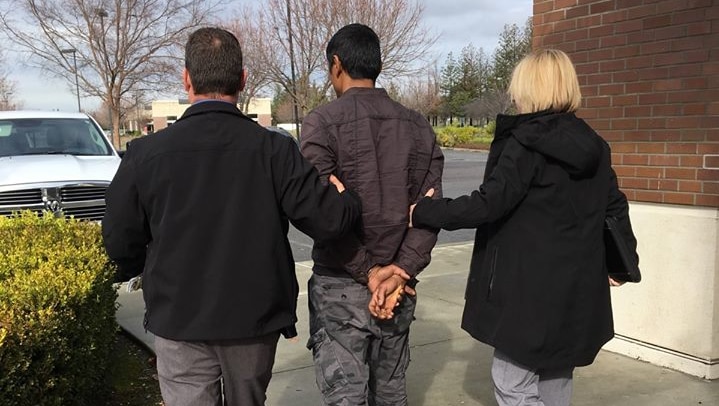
[538, 290]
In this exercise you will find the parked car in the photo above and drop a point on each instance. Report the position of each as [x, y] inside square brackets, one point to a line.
[54, 161]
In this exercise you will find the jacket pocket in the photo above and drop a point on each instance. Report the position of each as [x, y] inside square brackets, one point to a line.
[492, 270]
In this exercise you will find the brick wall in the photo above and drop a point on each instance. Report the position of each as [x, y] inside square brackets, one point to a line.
[649, 72]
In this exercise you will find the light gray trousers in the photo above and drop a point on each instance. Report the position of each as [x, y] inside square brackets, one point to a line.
[517, 385]
[203, 373]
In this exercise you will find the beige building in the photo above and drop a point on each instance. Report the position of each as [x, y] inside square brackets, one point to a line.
[166, 112]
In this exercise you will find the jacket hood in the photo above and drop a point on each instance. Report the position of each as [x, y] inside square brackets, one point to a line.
[562, 137]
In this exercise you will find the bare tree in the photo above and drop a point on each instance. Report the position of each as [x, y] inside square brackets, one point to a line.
[424, 95]
[310, 24]
[115, 48]
[7, 89]
[247, 30]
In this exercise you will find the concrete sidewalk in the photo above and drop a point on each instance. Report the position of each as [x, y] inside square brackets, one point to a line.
[448, 366]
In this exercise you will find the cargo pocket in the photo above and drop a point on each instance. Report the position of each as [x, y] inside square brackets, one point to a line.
[328, 366]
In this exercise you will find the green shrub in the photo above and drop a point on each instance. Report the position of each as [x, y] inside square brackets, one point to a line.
[468, 136]
[57, 311]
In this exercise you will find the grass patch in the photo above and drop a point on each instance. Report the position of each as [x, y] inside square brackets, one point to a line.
[132, 375]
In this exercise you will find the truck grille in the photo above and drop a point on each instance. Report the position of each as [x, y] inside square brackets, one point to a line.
[81, 201]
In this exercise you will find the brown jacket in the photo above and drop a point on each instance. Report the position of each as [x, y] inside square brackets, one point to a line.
[388, 155]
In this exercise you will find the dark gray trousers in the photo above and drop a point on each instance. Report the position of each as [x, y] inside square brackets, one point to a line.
[359, 360]
[202, 373]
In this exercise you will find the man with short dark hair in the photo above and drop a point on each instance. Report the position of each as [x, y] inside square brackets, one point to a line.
[389, 156]
[201, 209]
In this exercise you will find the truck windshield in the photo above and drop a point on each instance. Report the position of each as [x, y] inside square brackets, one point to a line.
[39, 136]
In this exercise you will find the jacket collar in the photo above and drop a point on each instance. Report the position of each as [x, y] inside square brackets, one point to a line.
[365, 90]
[213, 106]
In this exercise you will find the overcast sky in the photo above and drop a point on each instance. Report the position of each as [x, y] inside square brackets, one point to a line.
[457, 22]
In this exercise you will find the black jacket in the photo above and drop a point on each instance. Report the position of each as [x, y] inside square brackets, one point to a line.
[202, 207]
[388, 154]
[538, 288]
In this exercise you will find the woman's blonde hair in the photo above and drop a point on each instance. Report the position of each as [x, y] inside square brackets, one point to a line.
[545, 79]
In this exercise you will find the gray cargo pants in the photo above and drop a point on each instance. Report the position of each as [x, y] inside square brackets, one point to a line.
[359, 360]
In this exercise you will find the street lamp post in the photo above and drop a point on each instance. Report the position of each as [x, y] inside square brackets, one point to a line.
[295, 113]
[73, 51]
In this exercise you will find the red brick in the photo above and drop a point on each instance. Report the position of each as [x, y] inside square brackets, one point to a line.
[624, 147]
[690, 186]
[589, 91]
[591, 43]
[635, 159]
[663, 184]
[707, 200]
[637, 111]
[579, 11]
[599, 124]
[675, 31]
[680, 173]
[601, 79]
[679, 198]
[564, 3]
[648, 196]
[653, 98]
[667, 84]
[576, 35]
[624, 171]
[542, 29]
[610, 112]
[702, 28]
[667, 7]
[624, 77]
[638, 37]
[708, 174]
[693, 135]
[711, 162]
[685, 44]
[599, 101]
[587, 68]
[628, 26]
[651, 147]
[656, 47]
[637, 135]
[695, 83]
[710, 122]
[640, 62]
[663, 160]
[601, 31]
[688, 16]
[682, 148]
[651, 123]
[639, 87]
[624, 124]
[630, 195]
[601, 7]
[612, 66]
[713, 108]
[614, 17]
[542, 7]
[627, 100]
[712, 135]
[555, 38]
[711, 68]
[599, 54]
[667, 110]
[649, 172]
[711, 188]
[629, 3]
[684, 71]
[683, 122]
[642, 11]
[553, 16]
[656, 21]
[674, 58]
[609, 135]
[695, 109]
[565, 25]
[613, 41]
[691, 161]
[708, 148]
[686, 96]
[611, 89]
[664, 135]
[589, 21]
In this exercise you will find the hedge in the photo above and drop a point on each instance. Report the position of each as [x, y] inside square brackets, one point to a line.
[467, 136]
[57, 311]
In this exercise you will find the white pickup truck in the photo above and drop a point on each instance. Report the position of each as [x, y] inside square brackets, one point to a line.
[54, 161]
